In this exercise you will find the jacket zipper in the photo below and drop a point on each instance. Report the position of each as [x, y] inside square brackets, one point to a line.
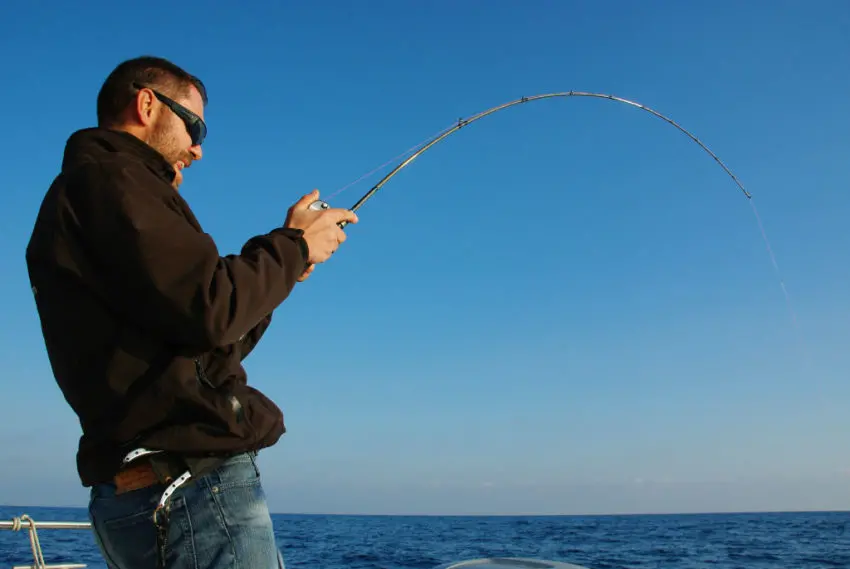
[201, 374]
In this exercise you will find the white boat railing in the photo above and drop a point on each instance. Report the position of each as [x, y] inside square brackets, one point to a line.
[25, 521]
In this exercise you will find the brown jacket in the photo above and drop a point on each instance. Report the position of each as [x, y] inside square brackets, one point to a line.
[145, 323]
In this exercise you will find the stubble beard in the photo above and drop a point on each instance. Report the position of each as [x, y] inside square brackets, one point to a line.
[160, 139]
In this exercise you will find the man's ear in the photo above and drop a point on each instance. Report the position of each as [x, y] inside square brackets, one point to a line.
[145, 109]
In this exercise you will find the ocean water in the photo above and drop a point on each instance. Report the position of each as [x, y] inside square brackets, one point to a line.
[691, 541]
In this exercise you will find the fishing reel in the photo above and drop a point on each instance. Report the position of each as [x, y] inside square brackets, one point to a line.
[319, 205]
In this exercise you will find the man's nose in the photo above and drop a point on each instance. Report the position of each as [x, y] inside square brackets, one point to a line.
[196, 152]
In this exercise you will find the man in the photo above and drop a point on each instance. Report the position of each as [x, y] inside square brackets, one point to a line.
[146, 326]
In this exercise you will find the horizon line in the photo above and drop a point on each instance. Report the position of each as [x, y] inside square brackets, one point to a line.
[502, 515]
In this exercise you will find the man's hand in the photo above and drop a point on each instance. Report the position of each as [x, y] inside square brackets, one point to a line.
[321, 232]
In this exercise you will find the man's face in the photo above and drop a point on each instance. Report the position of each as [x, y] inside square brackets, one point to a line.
[168, 134]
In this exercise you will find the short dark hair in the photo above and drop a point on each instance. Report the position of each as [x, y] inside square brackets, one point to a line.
[157, 73]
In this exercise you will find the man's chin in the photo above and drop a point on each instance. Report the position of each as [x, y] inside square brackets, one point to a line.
[178, 177]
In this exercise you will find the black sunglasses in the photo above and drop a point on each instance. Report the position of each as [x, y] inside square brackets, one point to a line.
[195, 125]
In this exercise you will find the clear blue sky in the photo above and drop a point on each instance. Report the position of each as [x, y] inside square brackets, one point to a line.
[565, 308]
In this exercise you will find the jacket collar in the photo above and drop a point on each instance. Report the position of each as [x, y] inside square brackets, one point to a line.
[94, 144]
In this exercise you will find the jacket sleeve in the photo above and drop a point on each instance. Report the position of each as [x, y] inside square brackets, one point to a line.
[252, 338]
[160, 271]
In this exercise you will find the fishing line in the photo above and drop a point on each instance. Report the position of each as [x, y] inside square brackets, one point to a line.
[390, 161]
[461, 123]
[803, 346]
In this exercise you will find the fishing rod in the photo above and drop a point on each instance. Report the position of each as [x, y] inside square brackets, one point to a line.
[320, 204]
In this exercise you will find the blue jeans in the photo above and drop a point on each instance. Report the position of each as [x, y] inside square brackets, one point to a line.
[218, 521]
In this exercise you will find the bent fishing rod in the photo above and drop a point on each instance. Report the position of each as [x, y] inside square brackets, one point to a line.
[320, 204]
